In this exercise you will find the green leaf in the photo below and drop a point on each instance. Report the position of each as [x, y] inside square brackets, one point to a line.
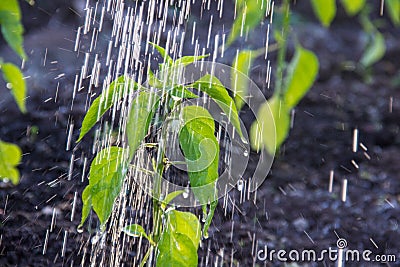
[101, 104]
[185, 223]
[12, 7]
[301, 74]
[107, 172]
[184, 61]
[139, 118]
[272, 128]
[201, 150]
[153, 80]
[176, 250]
[325, 10]
[216, 90]
[249, 15]
[11, 26]
[255, 136]
[240, 72]
[135, 230]
[352, 7]
[179, 241]
[374, 51]
[163, 53]
[210, 215]
[393, 8]
[87, 204]
[199, 145]
[12, 74]
[180, 92]
[10, 157]
[170, 197]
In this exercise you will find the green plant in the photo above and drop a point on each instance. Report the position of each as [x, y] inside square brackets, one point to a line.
[375, 47]
[248, 16]
[175, 235]
[173, 240]
[272, 128]
[12, 30]
[301, 72]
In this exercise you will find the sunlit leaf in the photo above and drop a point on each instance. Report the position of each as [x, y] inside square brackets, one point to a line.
[163, 53]
[176, 249]
[180, 91]
[153, 80]
[115, 91]
[12, 75]
[240, 72]
[87, 204]
[272, 126]
[11, 26]
[325, 10]
[12, 7]
[139, 118]
[374, 51]
[10, 157]
[200, 148]
[255, 136]
[185, 223]
[107, 172]
[179, 241]
[184, 61]
[393, 8]
[247, 18]
[170, 197]
[352, 7]
[301, 74]
[216, 90]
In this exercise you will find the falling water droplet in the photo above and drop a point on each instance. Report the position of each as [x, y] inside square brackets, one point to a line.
[79, 229]
[64, 244]
[246, 153]
[244, 140]
[9, 85]
[185, 194]
[344, 190]
[96, 238]
[240, 185]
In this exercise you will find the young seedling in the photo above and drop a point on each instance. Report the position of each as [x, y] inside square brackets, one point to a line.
[175, 235]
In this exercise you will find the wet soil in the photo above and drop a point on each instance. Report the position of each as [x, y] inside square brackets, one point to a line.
[291, 210]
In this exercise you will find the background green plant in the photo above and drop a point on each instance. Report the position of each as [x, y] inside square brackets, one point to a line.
[12, 30]
[375, 46]
[294, 79]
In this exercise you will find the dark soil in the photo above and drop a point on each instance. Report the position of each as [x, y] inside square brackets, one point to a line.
[291, 210]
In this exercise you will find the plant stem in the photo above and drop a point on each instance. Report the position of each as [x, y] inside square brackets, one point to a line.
[282, 50]
[159, 170]
[146, 256]
[157, 212]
